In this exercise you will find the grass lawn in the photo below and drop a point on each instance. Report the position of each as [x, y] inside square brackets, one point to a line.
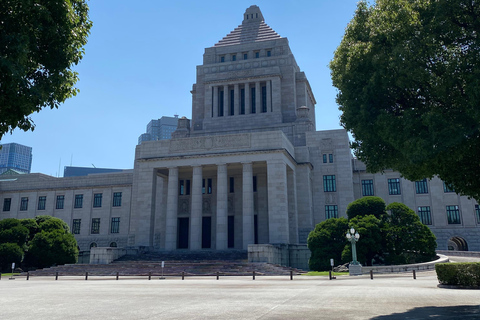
[324, 273]
[9, 274]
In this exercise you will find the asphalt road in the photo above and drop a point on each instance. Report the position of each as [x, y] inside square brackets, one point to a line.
[385, 297]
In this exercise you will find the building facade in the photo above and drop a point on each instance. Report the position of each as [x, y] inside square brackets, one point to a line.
[159, 129]
[249, 167]
[14, 156]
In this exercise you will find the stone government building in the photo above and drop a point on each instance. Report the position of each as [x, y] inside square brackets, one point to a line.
[248, 168]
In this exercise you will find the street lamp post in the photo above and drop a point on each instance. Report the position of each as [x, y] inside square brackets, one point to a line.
[355, 267]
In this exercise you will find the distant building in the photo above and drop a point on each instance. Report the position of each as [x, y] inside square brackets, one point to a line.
[85, 171]
[160, 129]
[16, 157]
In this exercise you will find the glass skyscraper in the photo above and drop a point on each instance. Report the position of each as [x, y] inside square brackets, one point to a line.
[160, 129]
[16, 157]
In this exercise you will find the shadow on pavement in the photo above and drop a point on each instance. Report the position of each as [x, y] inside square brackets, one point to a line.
[437, 313]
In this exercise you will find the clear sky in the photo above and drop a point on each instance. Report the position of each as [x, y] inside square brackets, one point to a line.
[140, 64]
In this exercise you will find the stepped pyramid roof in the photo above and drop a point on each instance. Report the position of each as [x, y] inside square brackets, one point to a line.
[252, 29]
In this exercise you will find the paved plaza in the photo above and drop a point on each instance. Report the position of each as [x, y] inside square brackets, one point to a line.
[385, 297]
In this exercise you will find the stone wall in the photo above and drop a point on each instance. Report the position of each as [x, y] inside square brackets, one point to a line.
[105, 255]
[293, 255]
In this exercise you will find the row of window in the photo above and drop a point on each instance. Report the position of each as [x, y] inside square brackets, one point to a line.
[230, 107]
[421, 187]
[60, 202]
[424, 213]
[184, 186]
[256, 54]
[330, 158]
[95, 227]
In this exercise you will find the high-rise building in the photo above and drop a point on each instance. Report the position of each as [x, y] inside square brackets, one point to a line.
[160, 129]
[14, 156]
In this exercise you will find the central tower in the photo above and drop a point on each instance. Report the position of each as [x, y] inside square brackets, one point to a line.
[250, 81]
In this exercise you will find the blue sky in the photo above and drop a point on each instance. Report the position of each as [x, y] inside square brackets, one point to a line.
[140, 64]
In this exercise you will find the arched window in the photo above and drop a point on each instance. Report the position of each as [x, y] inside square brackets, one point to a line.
[113, 244]
[93, 245]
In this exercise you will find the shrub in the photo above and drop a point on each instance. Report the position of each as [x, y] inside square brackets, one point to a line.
[10, 252]
[51, 248]
[366, 206]
[460, 274]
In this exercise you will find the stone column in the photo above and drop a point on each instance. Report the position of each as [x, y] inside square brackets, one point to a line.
[247, 205]
[258, 97]
[215, 101]
[208, 101]
[226, 108]
[196, 210]
[292, 206]
[269, 96]
[247, 98]
[222, 208]
[172, 207]
[277, 202]
[236, 99]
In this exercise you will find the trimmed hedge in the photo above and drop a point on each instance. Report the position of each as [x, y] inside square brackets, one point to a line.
[460, 274]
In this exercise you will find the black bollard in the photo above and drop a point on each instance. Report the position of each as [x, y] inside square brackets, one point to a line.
[218, 276]
[291, 275]
[414, 275]
[86, 275]
[117, 275]
[28, 275]
[56, 275]
[329, 275]
[149, 276]
[371, 274]
[0, 276]
[183, 275]
[253, 275]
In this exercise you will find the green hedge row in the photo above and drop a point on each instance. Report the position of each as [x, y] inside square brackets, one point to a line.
[460, 274]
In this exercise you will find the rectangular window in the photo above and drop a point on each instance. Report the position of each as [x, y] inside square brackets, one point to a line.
[477, 211]
[421, 186]
[78, 201]
[232, 102]
[222, 59]
[97, 200]
[448, 188]
[234, 57]
[269, 53]
[117, 199]
[209, 186]
[187, 187]
[331, 211]
[232, 184]
[95, 226]
[245, 56]
[329, 184]
[264, 99]
[424, 215]
[115, 226]
[203, 186]
[76, 226]
[252, 96]
[453, 215]
[41, 202]
[257, 54]
[394, 186]
[24, 204]
[242, 101]
[220, 103]
[60, 202]
[254, 183]
[324, 158]
[330, 158]
[367, 187]
[181, 187]
[7, 202]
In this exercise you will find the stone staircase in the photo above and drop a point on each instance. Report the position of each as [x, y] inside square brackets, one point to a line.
[232, 263]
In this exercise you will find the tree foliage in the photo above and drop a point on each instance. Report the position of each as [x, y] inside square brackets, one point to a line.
[366, 206]
[408, 79]
[40, 41]
[394, 237]
[9, 252]
[326, 242]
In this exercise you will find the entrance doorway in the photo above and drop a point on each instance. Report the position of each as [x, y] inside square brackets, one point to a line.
[182, 232]
[457, 244]
[206, 232]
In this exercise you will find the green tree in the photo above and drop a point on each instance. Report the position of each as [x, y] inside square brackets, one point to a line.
[407, 239]
[40, 41]
[51, 248]
[9, 252]
[366, 206]
[12, 231]
[326, 242]
[408, 79]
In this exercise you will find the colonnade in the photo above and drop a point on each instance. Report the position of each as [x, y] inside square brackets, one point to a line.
[279, 177]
